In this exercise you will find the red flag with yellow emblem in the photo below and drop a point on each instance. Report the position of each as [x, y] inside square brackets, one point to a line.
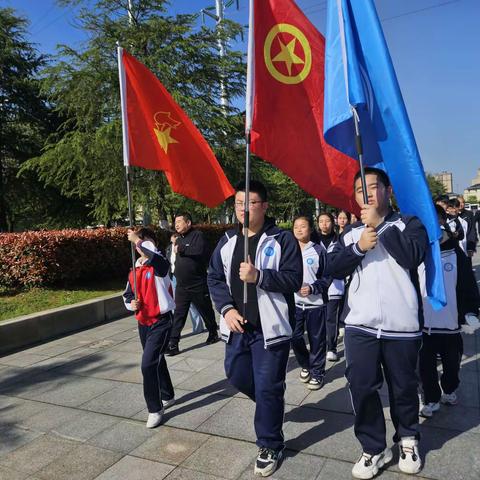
[287, 125]
[162, 137]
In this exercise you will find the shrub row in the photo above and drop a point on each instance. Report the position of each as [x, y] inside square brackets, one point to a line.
[66, 257]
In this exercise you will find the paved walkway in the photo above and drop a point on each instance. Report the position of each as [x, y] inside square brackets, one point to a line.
[73, 409]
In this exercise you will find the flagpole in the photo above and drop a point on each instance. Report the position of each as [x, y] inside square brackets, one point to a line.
[126, 155]
[359, 147]
[248, 128]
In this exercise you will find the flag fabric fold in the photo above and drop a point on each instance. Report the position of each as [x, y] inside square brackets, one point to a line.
[162, 137]
[359, 73]
[287, 125]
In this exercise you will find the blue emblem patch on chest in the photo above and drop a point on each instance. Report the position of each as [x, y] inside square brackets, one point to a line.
[148, 275]
[448, 267]
[310, 261]
[269, 251]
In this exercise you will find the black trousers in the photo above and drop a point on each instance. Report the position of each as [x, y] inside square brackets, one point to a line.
[366, 357]
[450, 348]
[314, 321]
[201, 299]
[157, 385]
[332, 324]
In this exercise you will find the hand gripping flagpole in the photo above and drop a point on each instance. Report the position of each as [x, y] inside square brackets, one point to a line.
[248, 128]
[126, 154]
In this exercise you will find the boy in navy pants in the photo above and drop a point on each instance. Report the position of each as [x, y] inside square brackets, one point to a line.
[383, 322]
[258, 339]
[153, 311]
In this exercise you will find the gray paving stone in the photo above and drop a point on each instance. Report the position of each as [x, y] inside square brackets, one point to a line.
[458, 417]
[72, 391]
[122, 437]
[50, 418]
[22, 359]
[294, 466]
[85, 462]
[133, 468]
[334, 396]
[222, 455]
[85, 426]
[132, 346]
[125, 400]
[180, 376]
[15, 410]
[190, 410]
[37, 454]
[170, 445]
[321, 432]
[189, 364]
[186, 474]
[13, 437]
[9, 474]
[233, 420]
[210, 380]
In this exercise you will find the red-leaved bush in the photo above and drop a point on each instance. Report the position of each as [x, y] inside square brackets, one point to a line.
[59, 257]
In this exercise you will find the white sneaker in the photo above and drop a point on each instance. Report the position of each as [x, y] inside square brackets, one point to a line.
[332, 356]
[428, 409]
[154, 419]
[305, 375]
[267, 461]
[449, 398]
[368, 466]
[168, 403]
[409, 460]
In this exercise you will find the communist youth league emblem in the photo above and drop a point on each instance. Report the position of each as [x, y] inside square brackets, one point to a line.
[287, 54]
[164, 124]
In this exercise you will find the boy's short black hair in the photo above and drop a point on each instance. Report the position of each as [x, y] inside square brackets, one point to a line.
[442, 198]
[454, 202]
[186, 216]
[381, 175]
[255, 187]
[146, 233]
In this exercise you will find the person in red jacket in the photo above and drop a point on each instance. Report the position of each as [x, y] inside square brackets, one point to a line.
[153, 304]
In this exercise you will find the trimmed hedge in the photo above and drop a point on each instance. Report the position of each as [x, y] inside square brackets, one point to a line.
[59, 257]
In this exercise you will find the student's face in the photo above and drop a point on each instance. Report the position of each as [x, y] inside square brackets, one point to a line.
[181, 225]
[325, 224]
[342, 220]
[462, 204]
[257, 208]
[301, 230]
[443, 205]
[378, 194]
[452, 211]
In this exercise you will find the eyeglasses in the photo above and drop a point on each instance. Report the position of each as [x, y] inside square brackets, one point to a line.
[251, 203]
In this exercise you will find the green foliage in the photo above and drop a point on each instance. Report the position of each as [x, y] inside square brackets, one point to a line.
[84, 157]
[436, 187]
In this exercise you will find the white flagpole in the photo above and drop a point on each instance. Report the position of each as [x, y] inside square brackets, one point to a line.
[248, 127]
[126, 153]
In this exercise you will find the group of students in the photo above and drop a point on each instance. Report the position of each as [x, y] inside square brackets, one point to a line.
[370, 274]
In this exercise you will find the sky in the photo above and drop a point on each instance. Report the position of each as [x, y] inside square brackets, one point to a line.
[434, 45]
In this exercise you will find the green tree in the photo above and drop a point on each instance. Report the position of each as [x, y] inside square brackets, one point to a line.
[84, 157]
[436, 187]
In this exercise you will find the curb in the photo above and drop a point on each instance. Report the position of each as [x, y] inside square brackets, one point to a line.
[40, 326]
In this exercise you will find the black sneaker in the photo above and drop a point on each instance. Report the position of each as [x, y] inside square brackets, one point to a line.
[267, 461]
[212, 338]
[172, 350]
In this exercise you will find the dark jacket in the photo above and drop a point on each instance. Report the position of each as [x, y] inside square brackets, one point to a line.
[191, 260]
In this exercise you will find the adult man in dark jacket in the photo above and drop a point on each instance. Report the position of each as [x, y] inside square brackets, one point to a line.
[191, 262]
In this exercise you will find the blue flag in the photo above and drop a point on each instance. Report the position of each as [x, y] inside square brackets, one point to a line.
[359, 73]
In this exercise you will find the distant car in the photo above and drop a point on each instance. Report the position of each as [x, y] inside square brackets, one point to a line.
[472, 206]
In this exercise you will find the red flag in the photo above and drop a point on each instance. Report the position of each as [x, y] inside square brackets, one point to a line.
[287, 127]
[162, 137]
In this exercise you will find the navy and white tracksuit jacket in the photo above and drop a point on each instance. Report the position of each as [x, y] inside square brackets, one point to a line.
[279, 263]
[314, 263]
[383, 295]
